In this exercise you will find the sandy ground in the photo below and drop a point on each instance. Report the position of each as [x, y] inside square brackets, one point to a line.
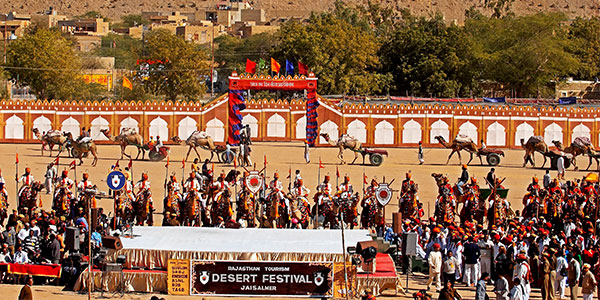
[280, 157]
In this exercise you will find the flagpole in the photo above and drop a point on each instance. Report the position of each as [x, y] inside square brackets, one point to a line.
[166, 176]
[345, 257]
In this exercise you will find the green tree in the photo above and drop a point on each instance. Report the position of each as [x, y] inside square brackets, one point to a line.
[342, 55]
[500, 8]
[132, 21]
[585, 40]
[46, 62]
[183, 68]
[428, 57]
[232, 52]
[525, 53]
[125, 49]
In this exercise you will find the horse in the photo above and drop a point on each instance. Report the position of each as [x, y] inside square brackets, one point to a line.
[171, 201]
[300, 211]
[276, 212]
[190, 211]
[62, 201]
[409, 202]
[3, 208]
[346, 207]
[29, 196]
[142, 208]
[246, 208]
[328, 211]
[221, 207]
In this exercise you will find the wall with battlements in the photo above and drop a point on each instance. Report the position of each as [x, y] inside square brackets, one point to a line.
[398, 125]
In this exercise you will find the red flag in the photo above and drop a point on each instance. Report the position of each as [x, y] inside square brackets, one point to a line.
[289, 172]
[183, 163]
[337, 172]
[17, 158]
[167, 164]
[130, 164]
[250, 66]
[72, 165]
[56, 160]
[321, 164]
[265, 163]
[364, 178]
[234, 163]
[302, 69]
[117, 164]
[212, 169]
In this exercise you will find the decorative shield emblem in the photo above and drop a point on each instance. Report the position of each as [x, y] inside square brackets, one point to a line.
[204, 277]
[319, 279]
[383, 193]
[254, 181]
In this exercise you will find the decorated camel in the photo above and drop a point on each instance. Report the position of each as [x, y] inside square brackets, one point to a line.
[51, 138]
[345, 142]
[460, 143]
[83, 146]
[534, 144]
[580, 146]
[128, 136]
[197, 139]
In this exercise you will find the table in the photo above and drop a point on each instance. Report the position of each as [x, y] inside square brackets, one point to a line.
[47, 270]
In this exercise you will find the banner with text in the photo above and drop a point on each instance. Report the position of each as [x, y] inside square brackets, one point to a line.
[250, 278]
[178, 277]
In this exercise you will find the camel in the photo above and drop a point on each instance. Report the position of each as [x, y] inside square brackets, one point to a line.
[457, 146]
[51, 138]
[84, 146]
[577, 149]
[534, 144]
[197, 139]
[128, 136]
[345, 142]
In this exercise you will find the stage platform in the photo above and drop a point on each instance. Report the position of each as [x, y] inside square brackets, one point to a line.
[152, 247]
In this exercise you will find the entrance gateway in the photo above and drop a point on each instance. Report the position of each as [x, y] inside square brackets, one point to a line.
[243, 82]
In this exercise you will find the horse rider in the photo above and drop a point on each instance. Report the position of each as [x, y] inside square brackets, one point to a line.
[345, 189]
[300, 190]
[144, 185]
[191, 185]
[174, 186]
[65, 182]
[220, 185]
[275, 186]
[26, 180]
[324, 189]
[86, 186]
[464, 179]
[129, 187]
[51, 174]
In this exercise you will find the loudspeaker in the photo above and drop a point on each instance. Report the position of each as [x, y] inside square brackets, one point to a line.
[397, 222]
[112, 242]
[72, 241]
[94, 221]
[409, 243]
[360, 246]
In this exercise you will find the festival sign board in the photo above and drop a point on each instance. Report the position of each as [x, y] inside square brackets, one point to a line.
[267, 278]
[383, 193]
[178, 277]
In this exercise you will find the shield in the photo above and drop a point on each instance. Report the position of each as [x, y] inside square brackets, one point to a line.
[383, 193]
[319, 279]
[254, 181]
[204, 277]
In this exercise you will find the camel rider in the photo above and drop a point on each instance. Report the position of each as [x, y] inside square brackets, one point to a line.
[445, 190]
[276, 186]
[464, 178]
[533, 190]
[196, 168]
[26, 179]
[191, 185]
[407, 188]
[3, 187]
[345, 189]
[51, 174]
[151, 143]
[159, 143]
[64, 182]
[324, 189]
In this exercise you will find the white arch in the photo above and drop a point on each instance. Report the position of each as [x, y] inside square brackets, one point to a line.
[384, 133]
[301, 128]
[330, 128]
[216, 129]
[581, 131]
[358, 130]
[276, 126]
[553, 132]
[411, 134]
[524, 132]
[14, 128]
[71, 125]
[496, 135]
[186, 127]
[98, 124]
[469, 129]
[251, 121]
[129, 122]
[440, 128]
[42, 124]
[159, 127]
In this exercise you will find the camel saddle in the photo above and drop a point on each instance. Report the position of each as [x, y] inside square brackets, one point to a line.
[52, 133]
[535, 139]
[347, 138]
[462, 138]
[128, 131]
[199, 134]
[582, 142]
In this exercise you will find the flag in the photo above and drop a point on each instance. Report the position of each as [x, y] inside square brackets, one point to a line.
[275, 66]
[237, 103]
[265, 162]
[56, 160]
[567, 100]
[302, 69]
[337, 172]
[312, 126]
[262, 64]
[183, 163]
[290, 172]
[250, 66]
[494, 100]
[127, 83]
[72, 165]
[289, 67]
[364, 178]
[130, 164]
[167, 164]
[17, 158]
[321, 164]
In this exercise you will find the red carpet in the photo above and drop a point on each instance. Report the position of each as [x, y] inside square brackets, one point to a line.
[384, 268]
